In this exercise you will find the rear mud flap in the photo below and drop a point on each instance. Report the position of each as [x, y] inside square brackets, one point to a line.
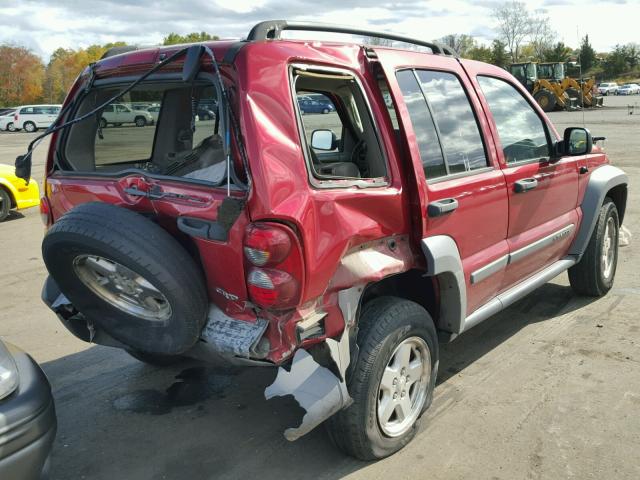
[314, 387]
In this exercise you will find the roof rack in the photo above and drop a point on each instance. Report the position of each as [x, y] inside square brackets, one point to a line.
[271, 30]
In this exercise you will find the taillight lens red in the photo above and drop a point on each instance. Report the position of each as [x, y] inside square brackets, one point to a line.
[15, 117]
[274, 246]
[45, 211]
[266, 245]
[271, 288]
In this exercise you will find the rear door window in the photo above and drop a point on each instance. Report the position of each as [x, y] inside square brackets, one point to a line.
[443, 120]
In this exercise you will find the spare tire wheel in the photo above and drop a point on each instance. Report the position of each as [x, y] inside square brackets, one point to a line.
[128, 276]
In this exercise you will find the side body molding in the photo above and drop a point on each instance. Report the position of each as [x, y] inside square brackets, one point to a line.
[601, 181]
[444, 263]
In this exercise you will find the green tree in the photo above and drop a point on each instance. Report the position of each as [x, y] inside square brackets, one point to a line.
[558, 53]
[499, 55]
[193, 37]
[616, 61]
[480, 53]
[587, 55]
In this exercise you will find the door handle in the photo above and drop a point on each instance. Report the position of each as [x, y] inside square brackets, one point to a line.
[525, 185]
[196, 227]
[442, 207]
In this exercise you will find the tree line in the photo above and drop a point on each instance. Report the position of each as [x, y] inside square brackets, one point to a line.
[26, 79]
[522, 36]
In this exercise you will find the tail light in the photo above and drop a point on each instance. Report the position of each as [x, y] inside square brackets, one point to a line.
[45, 211]
[274, 265]
[15, 117]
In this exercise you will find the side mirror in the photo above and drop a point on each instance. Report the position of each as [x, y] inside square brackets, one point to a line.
[191, 65]
[577, 141]
[324, 140]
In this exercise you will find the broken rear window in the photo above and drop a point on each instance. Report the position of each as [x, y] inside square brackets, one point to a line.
[167, 129]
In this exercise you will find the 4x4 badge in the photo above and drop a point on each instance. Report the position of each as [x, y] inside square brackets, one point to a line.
[227, 295]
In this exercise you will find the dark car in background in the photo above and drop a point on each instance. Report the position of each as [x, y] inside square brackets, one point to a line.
[27, 416]
[315, 104]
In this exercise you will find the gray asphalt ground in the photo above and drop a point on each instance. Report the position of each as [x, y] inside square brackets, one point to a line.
[548, 389]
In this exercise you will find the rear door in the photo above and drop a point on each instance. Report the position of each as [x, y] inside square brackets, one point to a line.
[543, 191]
[465, 189]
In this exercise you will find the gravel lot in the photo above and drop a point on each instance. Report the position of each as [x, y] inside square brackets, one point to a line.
[549, 388]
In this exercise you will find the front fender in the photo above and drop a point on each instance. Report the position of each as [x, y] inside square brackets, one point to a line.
[601, 181]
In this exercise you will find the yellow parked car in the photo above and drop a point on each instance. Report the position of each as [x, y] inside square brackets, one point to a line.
[15, 193]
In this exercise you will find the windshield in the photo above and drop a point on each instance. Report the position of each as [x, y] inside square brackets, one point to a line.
[168, 129]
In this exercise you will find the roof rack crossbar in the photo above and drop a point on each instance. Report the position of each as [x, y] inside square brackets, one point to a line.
[272, 29]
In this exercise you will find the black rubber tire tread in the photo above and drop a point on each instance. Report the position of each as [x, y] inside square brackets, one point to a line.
[143, 246]
[24, 126]
[586, 277]
[5, 204]
[551, 105]
[142, 120]
[155, 359]
[380, 320]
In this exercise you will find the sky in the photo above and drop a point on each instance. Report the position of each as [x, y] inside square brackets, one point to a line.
[44, 25]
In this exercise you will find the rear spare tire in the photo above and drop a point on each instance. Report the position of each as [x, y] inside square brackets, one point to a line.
[128, 277]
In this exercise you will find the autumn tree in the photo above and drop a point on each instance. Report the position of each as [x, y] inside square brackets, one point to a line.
[21, 76]
[66, 64]
[174, 38]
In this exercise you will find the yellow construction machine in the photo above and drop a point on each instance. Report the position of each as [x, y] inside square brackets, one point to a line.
[552, 88]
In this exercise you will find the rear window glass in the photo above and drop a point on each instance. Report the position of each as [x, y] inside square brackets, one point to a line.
[164, 129]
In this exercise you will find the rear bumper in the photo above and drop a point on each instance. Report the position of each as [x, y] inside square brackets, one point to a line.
[28, 424]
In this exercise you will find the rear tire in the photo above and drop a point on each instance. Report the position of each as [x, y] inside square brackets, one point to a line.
[387, 326]
[128, 277]
[594, 274]
[5, 204]
[11, 127]
[29, 127]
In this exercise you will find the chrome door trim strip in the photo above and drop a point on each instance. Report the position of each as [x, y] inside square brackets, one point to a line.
[540, 244]
[497, 265]
[489, 269]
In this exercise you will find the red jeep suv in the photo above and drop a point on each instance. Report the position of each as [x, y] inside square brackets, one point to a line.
[341, 246]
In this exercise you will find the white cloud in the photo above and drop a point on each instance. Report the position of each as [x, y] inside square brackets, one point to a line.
[45, 25]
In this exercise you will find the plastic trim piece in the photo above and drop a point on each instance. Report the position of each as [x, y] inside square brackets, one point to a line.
[444, 263]
[515, 293]
[601, 181]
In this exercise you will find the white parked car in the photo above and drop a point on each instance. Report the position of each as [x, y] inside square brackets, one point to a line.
[610, 88]
[118, 114]
[154, 111]
[6, 121]
[629, 89]
[32, 117]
